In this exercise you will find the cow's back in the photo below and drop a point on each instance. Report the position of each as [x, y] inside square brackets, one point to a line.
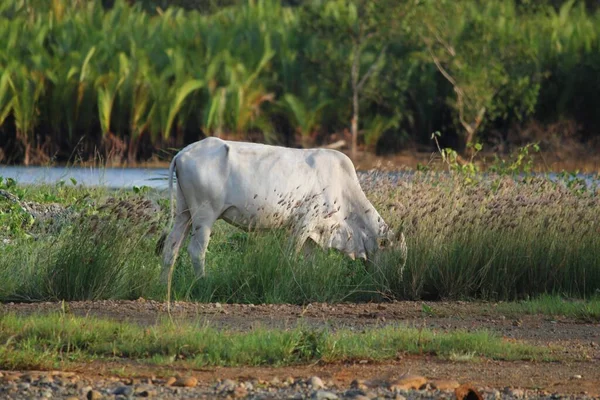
[265, 186]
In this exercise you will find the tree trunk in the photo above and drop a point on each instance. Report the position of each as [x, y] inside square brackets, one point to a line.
[354, 124]
[27, 154]
[132, 149]
[305, 139]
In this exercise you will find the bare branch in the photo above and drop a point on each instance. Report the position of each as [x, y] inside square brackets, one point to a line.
[371, 69]
[440, 40]
[461, 112]
[479, 118]
[471, 129]
[447, 46]
[355, 71]
[439, 66]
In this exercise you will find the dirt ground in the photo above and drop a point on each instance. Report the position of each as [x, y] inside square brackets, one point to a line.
[576, 344]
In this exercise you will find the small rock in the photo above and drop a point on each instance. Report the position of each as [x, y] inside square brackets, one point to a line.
[94, 395]
[240, 392]
[148, 392]
[399, 397]
[495, 394]
[72, 398]
[324, 395]
[62, 381]
[289, 381]
[576, 377]
[29, 377]
[355, 394]
[170, 381]
[24, 386]
[123, 390]
[466, 391]
[316, 383]
[358, 384]
[226, 386]
[408, 382]
[516, 393]
[186, 382]
[46, 381]
[443, 384]
[149, 381]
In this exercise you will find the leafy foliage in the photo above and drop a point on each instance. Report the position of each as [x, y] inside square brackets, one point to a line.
[78, 76]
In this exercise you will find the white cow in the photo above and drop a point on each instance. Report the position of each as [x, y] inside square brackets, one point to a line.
[315, 192]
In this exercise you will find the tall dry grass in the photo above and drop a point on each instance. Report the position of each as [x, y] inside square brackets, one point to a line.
[492, 237]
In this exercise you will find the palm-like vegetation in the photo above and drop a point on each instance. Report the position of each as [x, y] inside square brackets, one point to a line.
[76, 74]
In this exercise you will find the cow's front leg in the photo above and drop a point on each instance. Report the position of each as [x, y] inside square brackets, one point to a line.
[197, 248]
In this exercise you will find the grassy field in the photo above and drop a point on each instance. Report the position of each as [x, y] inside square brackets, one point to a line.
[492, 238]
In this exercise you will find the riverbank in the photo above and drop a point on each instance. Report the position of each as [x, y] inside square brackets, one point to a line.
[404, 160]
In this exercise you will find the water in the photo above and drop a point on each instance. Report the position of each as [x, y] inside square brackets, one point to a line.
[113, 178]
[127, 178]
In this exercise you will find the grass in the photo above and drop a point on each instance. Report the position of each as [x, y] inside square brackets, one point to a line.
[492, 238]
[52, 340]
[585, 310]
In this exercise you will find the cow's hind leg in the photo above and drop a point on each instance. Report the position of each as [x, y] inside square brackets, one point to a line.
[201, 229]
[181, 228]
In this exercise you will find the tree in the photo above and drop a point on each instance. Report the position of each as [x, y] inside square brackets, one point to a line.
[361, 28]
[491, 67]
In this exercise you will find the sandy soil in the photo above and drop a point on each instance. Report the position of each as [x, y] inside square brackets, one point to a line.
[577, 344]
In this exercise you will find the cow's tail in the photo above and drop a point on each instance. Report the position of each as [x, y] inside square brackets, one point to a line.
[161, 241]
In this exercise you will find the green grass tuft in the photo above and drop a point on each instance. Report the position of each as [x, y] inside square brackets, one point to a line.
[585, 310]
[49, 340]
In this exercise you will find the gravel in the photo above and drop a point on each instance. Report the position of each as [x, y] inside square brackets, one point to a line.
[65, 385]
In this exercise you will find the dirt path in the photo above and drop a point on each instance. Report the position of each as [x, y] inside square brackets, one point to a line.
[576, 343]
